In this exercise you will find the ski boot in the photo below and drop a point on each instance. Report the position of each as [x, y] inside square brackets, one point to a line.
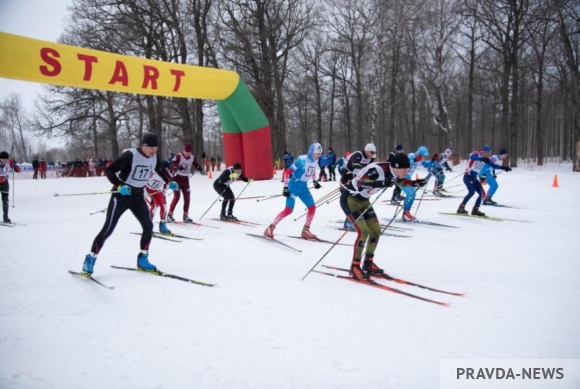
[408, 217]
[269, 232]
[462, 210]
[143, 262]
[370, 267]
[163, 228]
[476, 212]
[231, 218]
[306, 234]
[170, 218]
[489, 201]
[187, 219]
[89, 264]
[356, 272]
[7, 219]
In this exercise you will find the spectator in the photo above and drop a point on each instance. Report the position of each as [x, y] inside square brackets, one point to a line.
[35, 167]
[42, 168]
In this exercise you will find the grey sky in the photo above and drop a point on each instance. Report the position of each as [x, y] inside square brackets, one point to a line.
[40, 19]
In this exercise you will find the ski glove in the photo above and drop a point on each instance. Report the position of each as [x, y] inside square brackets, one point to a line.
[449, 169]
[285, 192]
[316, 185]
[484, 159]
[250, 180]
[124, 190]
[173, 185]
[506, 168]
[234, 176]
[419, 182]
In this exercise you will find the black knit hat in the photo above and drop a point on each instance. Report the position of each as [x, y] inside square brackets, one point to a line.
[237, 166]
[4, 155]
[400, 161]
[150, 140]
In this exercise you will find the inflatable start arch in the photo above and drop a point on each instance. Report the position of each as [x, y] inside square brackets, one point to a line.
[245, 127]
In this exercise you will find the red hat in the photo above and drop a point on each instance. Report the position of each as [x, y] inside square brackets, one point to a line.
[188, 147]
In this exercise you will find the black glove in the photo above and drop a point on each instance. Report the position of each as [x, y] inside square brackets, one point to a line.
[449, 169]
[285, 192]
[419, 182]
[484, 160]
[316, 185]
[506, 168]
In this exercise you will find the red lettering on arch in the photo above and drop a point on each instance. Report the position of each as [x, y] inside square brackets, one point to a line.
[178, 74]
[89, 60]
[120, 74]
[150, 74]
[49, 56]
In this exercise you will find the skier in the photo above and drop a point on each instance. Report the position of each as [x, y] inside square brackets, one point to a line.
[440, 161]
[400, 149]
[487, 174]
[296, 185]
[156, 188]
[129, 173]
[5, 165]
[408, 185]
[181, 166]
[358, 160]
[222, 186]
[477, 160]
[354, 201]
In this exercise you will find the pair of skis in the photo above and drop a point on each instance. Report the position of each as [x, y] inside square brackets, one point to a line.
[377, 285]
[11, 224]
[170, 236]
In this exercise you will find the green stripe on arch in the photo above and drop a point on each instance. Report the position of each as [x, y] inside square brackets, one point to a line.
[240, 112]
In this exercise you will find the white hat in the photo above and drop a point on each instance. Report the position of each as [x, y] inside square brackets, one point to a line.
[371, 147]
[448, 152]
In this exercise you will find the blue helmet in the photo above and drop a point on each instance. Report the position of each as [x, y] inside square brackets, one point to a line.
[423, 151]
[314, 148]
[486, 148]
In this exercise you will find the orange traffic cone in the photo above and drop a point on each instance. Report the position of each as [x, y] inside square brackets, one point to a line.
[555, 183]
[210, 175]
[274, 171]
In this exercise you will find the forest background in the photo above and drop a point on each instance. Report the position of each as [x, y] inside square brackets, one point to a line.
[441, 73]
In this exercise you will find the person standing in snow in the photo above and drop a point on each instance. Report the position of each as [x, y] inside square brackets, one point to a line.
[5, 165]
[487, 174]
[296, 185]
[408, 185]
[222, 186]
[440, 161]
[129, 173]
[331, 164]
[355, 201]
[156, 188]
[477, 161]
[358, 160]
[400, 149]
[181, 166]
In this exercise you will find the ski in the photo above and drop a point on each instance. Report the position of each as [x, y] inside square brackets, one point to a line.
[171, 234]
[163, 274]
[264, 237]
[497, 219]
[382, 225]
[12, 224]
[383, 234]
[240, 222]
[401, 281]
[417, 221]
[375, 284]
[318, 240]
[90, 277]
[191, 224]
[501, 206]
[159, 236]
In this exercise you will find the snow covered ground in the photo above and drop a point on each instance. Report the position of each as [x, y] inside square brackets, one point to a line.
[261, 326]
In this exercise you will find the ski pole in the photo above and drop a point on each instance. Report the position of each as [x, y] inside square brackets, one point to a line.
[13, 187]
[424, 187]
[397, 211]
[212, 204]
[248, 183]
[344, 233]
[102, 210]
[269, 198]
[84, 194]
